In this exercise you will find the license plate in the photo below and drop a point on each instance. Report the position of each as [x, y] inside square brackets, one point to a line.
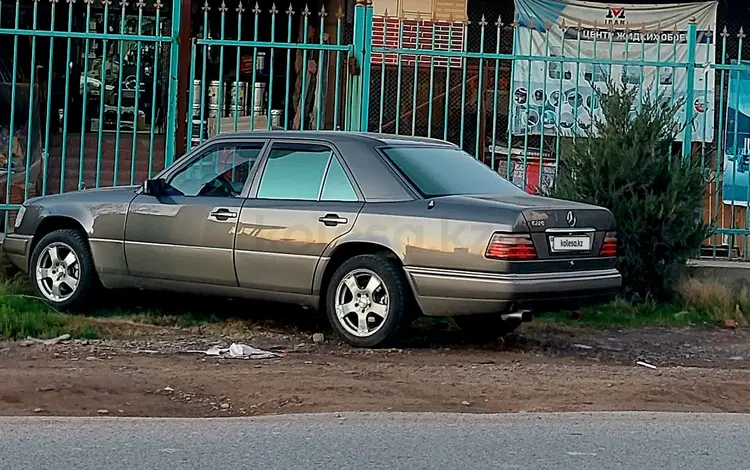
[570, 244]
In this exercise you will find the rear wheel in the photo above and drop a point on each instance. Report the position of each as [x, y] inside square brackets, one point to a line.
[486, 327]
[366, 301]
[62, 269]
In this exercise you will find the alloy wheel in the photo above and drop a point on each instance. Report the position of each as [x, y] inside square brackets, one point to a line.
[362, 303]
[58, 272]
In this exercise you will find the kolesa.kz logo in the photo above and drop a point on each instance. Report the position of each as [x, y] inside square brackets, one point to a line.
[573, 243]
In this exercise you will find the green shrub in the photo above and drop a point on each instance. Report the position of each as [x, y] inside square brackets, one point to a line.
[656, 196]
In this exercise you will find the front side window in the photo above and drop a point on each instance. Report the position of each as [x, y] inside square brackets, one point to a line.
[221, 172]
[294, 171]
[443, 171]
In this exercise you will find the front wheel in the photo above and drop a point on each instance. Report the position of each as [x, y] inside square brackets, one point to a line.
[62, 269]
[366, 301]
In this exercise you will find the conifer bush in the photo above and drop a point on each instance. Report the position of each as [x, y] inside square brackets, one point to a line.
[628, 163]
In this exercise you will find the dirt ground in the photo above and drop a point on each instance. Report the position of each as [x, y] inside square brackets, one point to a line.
[161, 372]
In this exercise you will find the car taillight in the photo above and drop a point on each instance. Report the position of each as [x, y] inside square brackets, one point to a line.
[609, 247]
[512, 247]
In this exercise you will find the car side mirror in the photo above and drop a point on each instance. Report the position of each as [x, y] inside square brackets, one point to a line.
[154, 187]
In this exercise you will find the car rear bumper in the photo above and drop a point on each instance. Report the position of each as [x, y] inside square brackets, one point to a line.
[445, 292]
[15, 249]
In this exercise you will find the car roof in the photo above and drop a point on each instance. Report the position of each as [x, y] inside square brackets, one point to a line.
[337, 136]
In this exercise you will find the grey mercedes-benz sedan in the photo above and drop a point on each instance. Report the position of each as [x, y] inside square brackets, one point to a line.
[371, 229]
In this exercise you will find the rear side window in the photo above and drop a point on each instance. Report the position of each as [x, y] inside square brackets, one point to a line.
[337, 186]
[294, 171]
[443, 171]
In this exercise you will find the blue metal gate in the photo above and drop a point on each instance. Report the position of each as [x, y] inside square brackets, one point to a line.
[90, 89]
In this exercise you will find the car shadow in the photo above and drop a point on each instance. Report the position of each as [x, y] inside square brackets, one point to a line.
[194, 310]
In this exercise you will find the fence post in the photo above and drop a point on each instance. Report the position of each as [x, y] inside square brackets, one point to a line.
[692, 41]
[174, 59]
[359, 84]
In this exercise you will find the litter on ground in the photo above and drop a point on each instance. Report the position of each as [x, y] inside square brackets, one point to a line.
[240, 351]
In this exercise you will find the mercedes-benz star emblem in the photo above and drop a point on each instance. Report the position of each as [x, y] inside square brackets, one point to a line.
[571, 218]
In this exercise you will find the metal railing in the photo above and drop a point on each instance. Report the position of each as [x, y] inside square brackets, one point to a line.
[305, 99]
[91, 89]
[82, 84]
[491, 102]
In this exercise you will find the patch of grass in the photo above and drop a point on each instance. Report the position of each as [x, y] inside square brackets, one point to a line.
[22, 316]
[622, 314]
[159, 317]
[716, 300]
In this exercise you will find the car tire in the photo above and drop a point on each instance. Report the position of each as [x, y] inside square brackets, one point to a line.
[62, 269]
[356, 312]
[486, 327]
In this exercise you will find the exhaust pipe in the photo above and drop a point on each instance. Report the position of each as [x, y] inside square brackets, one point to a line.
[521, 315]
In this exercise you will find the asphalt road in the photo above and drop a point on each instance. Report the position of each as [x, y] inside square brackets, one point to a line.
[381, 441]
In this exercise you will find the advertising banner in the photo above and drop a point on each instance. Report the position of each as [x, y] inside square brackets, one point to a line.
[737, 150]
[558, 97]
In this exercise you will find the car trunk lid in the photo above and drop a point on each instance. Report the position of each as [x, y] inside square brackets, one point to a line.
[562, 229]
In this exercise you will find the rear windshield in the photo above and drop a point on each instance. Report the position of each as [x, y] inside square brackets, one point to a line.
[444, 171]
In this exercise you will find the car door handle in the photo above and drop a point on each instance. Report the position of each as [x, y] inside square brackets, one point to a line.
[222, 214]
[332, 220]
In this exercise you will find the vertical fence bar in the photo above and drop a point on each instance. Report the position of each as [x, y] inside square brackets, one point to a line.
[415, 83]
[319, 87]
[367, 18]
[64, 138]
[448, 65]
[256, 13]
[337, 86]
[188, 111]
[531, 27]
[102, 95]
[642, 75]
[674, 69]
[136, 111]
[220, 92]
[735, 133]
[289, 14]
[174, 62]
[273, 11]
[191, 97]
[558, 137]
[123, 6]
[480, 80]
[236, 111]
[687, 143]
[547, 28]
[719, 140]
[27, 173]
[593, 94]
[398, 74]
[12, 125]
[463, 86]
[203, 116]
[85, 96]
[45, 155]
[657, 78]
[499, 26]
[382, 72]
[432, 81]
[302, 100]
[509, 156]
[706, 60]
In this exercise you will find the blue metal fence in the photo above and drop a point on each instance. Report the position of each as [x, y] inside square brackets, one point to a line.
[91, 90]
[82, 94]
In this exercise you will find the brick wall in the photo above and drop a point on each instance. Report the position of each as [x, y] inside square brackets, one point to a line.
[426, 9]
[445, 9]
